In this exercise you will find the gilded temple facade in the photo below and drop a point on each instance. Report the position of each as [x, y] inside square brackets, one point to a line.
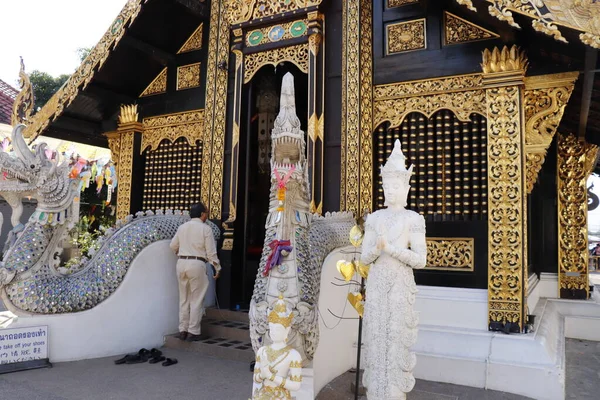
[500, 130]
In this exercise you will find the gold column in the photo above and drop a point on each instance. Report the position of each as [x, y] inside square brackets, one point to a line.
[121, 144]
[576, 160]
[503, 77]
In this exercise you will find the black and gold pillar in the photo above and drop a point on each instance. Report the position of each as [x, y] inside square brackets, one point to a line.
[503, 79]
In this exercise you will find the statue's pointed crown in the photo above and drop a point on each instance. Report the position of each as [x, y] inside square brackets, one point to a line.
[395, 167]
[287, 123]
[281, 314]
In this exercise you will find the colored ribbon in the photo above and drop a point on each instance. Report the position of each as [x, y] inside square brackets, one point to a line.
[282, 181]
[275, 258]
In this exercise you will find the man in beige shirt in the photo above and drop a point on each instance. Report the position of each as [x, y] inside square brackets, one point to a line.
[195, 247]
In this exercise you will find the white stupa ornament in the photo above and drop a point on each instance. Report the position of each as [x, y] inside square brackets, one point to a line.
[287, 122]
[395, 167]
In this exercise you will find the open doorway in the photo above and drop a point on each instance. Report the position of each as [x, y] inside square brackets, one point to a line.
[260, 105]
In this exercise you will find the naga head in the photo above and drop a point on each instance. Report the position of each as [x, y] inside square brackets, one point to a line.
[287, 139]
[29, 173]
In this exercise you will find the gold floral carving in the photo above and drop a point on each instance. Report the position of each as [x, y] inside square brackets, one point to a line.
[458, 30]
[452, 254]
[189, 124]
[545, 99]
[572, 212]
[400, 3]
[506, 195]
[216, 107]
[240, 11]
[194, 42]
[366, 105]
[314, 41]
[188, 76]
[125, 174]
[425, 87]
[548, 15]
[406, 36]
[24, 102]
[298, 55]
[264, 33]
[158, 84]
[85, 73]
[463, 104]
[114, 144]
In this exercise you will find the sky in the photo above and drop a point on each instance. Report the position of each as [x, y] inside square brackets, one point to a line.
[47, 33]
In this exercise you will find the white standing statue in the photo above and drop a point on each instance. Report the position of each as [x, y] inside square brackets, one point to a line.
[395, 242]
[278, 368]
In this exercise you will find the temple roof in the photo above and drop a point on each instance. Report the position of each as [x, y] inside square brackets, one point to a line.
[140, 42]
[7, 98]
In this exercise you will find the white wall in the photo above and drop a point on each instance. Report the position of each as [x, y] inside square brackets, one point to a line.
[141, 311]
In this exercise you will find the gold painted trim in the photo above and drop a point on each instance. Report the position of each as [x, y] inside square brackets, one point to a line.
[157, 86]
[85, 73]
[188, 124]
[573, 169]
[467, 31]
[548, 15]
[297, 55]
[188, 76]
[451, 254]
[240, 11]
[415, 36]
[194, 42]
[425, 87]
[400, 3]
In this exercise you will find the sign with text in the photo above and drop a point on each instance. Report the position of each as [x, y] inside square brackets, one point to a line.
[23, 344]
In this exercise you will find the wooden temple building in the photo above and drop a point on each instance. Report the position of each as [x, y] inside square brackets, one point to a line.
[495, 102]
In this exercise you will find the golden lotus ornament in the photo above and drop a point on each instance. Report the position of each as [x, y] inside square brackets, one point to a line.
[356, 236]
[355, 299]
[346, 269]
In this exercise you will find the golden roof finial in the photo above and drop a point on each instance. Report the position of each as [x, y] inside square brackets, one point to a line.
[24, 102]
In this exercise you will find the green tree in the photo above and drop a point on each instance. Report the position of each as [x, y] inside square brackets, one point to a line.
[83, 52]
[44, 86]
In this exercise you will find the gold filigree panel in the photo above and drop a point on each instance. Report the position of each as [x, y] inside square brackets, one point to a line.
[506, 258]
[548, 15]
[573, 161]
[451, 254]
[125, 177]
[188, 76]
[276, 33]
[428, 86]
[406, 36]
[189, 124]
[298, 55]
[366, 105]
[194, 42]
[215, 110]
[84, 74]
[463, 104]
[400, 3]
[158, 85]
[544, 101]
[458, 30]
[24, 102]
[240, 11]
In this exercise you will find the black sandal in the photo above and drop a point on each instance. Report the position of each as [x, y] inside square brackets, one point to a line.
[170, 361]
[134, 358]
[157, 359]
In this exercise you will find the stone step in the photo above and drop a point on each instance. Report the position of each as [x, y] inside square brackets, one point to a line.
[234, 330]
[227, 315]
[218, 347]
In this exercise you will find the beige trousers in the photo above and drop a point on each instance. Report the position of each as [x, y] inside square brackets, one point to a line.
[193, 284]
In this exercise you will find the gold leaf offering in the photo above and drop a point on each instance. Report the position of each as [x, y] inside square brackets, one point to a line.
[355, 299]
[346, 269]
[362, 269]
[356, 236]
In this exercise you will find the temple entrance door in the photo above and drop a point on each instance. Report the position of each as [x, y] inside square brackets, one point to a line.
[260, 105]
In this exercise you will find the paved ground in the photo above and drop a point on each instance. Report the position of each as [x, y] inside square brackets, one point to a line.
[196, 377]
[583, 370]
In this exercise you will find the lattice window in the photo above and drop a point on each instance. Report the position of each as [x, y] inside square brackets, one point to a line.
[173, 176]
[449, 180]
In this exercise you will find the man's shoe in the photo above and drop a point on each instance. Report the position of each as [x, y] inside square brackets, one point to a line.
[193, 338]
[182, 335]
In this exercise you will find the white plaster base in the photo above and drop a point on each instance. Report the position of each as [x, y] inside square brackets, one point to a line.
[138, 314]
[307, 390]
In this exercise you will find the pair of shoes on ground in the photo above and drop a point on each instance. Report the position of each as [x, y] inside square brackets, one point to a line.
[189, 337]
[142, 356]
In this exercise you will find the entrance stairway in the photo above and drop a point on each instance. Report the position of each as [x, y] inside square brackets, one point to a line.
[225, 335]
